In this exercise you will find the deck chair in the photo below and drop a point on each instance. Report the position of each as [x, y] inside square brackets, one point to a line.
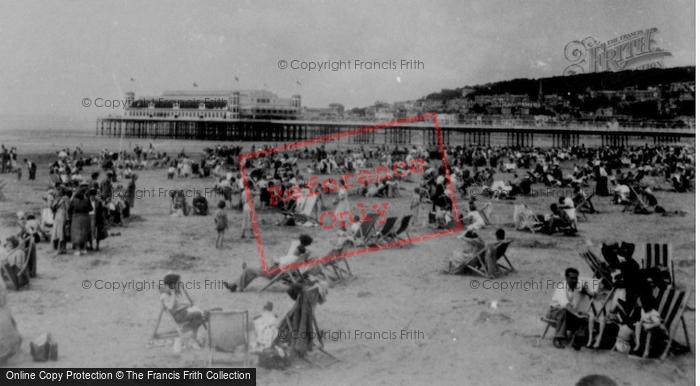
[485, 213]
[227, 331]
[584, 304]
[660, 256]
[671, 307]
[341, 274]
[304, 208]
[478, 263]
[581, 204]
[174, 332]
[633, 199]
[2, 195]
[600, 269]
[403, 228]
[523, 218]
[366, 231]
[290, 276]
[384, 233]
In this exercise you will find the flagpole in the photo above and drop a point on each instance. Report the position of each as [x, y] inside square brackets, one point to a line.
[121, 117]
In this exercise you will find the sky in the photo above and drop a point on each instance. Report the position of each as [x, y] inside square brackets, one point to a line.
[53, 54]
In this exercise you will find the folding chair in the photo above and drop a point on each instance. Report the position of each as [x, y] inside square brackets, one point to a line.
[600, 269]
[485, 212]
[383, 234]
[177, 330]
[585, 303]
[672, 306]
[2, 195]
[287, 275]
[366, 231]
[304, 208]
[403, 228]
[660, 256]
[333, 264]
[524, 218]
[634, 198]
[478, 263]
[581, 204]
[227, 331]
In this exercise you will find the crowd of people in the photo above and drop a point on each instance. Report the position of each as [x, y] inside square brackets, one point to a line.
[80, 209]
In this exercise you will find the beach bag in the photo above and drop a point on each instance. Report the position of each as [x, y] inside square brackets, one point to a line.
[44, 348]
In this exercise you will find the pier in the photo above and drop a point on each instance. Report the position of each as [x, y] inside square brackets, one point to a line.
[416, 133]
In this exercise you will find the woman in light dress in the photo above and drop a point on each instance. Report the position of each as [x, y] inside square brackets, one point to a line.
[343, 204]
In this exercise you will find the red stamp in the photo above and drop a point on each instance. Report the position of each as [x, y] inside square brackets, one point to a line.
[330, 220]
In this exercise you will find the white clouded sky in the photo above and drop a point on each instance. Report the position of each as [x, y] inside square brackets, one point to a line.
[54, 54]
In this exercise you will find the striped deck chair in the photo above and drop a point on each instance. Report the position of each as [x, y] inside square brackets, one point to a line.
[660, 256]
[602, 272]
[366, 231]
[671, 307]
[2, 195]
[384, 233]
[600, 269]
[403, 228]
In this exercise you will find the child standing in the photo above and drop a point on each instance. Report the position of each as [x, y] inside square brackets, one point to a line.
[247, 221]
[221, 221]
[19, 172]
[415, 205]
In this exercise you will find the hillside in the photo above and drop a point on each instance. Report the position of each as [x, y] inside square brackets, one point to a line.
[640, 79]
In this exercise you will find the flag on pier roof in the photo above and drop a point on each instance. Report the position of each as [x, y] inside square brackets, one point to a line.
[236, 79]
[195, 84]
[132, 79]
[298, 83]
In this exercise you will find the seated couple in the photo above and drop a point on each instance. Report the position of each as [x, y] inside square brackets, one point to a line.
[476, 249]
[299, 253]
[561, 219]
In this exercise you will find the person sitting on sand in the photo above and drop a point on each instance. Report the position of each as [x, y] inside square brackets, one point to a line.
[443, 217]
[179, 204]
[300, 253]
[473, 219]
[15, 260]
[200, 205]
[621, 193]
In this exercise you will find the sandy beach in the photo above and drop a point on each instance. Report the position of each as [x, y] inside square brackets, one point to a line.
[400, 322]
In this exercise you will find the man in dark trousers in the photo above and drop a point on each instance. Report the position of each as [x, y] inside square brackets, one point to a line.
[31, 167]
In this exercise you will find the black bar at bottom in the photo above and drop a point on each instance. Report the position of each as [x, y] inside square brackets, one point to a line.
[123, 376]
